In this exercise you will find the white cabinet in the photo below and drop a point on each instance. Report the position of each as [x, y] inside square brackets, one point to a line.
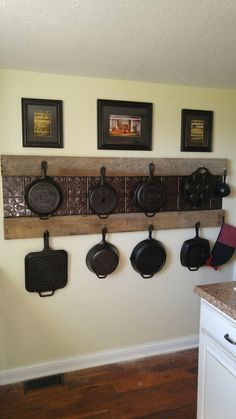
[217, 365]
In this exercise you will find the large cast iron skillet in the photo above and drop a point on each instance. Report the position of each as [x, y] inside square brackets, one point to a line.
[103, 258]
[150, 194]
[43, 196]
[148, 257]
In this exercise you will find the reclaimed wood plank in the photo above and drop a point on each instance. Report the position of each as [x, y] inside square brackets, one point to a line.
[90, 166]
[30, 227]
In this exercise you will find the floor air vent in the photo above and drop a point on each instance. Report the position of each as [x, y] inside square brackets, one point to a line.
[49, 381]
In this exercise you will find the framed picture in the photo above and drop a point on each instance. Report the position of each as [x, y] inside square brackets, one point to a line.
[42, 123]
[124, 125]
[196, 130]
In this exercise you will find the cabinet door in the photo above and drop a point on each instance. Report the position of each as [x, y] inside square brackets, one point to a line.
[217, 381]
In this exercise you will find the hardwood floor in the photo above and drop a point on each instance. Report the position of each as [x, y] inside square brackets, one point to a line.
[159, 387]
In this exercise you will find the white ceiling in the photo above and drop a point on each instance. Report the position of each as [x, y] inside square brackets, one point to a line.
[191, 42]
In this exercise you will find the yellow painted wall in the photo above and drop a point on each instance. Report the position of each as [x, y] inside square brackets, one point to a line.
[91, 315]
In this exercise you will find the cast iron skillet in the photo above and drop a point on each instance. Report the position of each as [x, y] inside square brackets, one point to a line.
[148, 257]
[150, 194]
[195, 252]
[223, 189]
[103, 199]
[46, 271]
[103, 258]
[43, 196]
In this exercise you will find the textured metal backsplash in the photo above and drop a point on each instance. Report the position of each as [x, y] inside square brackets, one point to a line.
[76, 192]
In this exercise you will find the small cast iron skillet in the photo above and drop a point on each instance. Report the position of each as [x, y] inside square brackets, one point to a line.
[148, 257]
[195, 252]
[103, 198]
[223, 189]
[150, 194]
[103, 258]
[43, 196]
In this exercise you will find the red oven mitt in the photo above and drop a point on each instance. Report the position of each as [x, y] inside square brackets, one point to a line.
[224, 246]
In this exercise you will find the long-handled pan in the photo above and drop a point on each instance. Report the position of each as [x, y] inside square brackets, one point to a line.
[195, 252]
[46, 271]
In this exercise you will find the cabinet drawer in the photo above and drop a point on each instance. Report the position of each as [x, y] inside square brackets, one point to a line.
[219, 326]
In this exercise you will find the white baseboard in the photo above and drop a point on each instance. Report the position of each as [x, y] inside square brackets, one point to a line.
[129, 353]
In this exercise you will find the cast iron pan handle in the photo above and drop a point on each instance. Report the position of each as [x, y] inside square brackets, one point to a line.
[46, 240]
[44, 166]
[149, 214]
[104, 232]
[46, 247]
[193, 269]
[151, 170]
[197, 226]
[146, 276]
[46, 293]
[102, 174]
[150, 230]
[103, 182]
[150, 176]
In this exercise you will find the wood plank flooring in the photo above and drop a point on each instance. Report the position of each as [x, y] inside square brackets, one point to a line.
[159, 387]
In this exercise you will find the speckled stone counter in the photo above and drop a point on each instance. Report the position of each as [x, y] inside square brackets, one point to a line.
[221, 295]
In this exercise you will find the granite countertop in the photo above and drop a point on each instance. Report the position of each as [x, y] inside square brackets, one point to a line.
[221, 295]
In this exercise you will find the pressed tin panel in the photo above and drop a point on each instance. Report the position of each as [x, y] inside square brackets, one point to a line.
[76, 192]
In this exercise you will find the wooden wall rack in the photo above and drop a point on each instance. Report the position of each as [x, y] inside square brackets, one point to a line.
[30, 227]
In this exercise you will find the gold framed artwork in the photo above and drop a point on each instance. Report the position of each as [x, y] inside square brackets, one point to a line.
[196, 130]
[42, 123]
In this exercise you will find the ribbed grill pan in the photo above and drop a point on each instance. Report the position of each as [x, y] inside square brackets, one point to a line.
[46, 271]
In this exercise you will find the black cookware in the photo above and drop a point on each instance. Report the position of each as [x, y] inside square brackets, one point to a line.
[198, 186]
[223, 188]
[148, 257]
[46, 271]
[195, 252]
[103, 258]
[150, 194]
[43, 196]
[103, 198]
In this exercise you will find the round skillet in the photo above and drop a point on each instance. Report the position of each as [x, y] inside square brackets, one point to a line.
[103, 258]
[43, 196]
[103, 198]
[150, 194]
[148, 257]
[195, 252]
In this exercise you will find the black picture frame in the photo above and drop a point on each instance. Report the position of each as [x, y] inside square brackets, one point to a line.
[42, 124]
[124, 125]
[196, 130]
